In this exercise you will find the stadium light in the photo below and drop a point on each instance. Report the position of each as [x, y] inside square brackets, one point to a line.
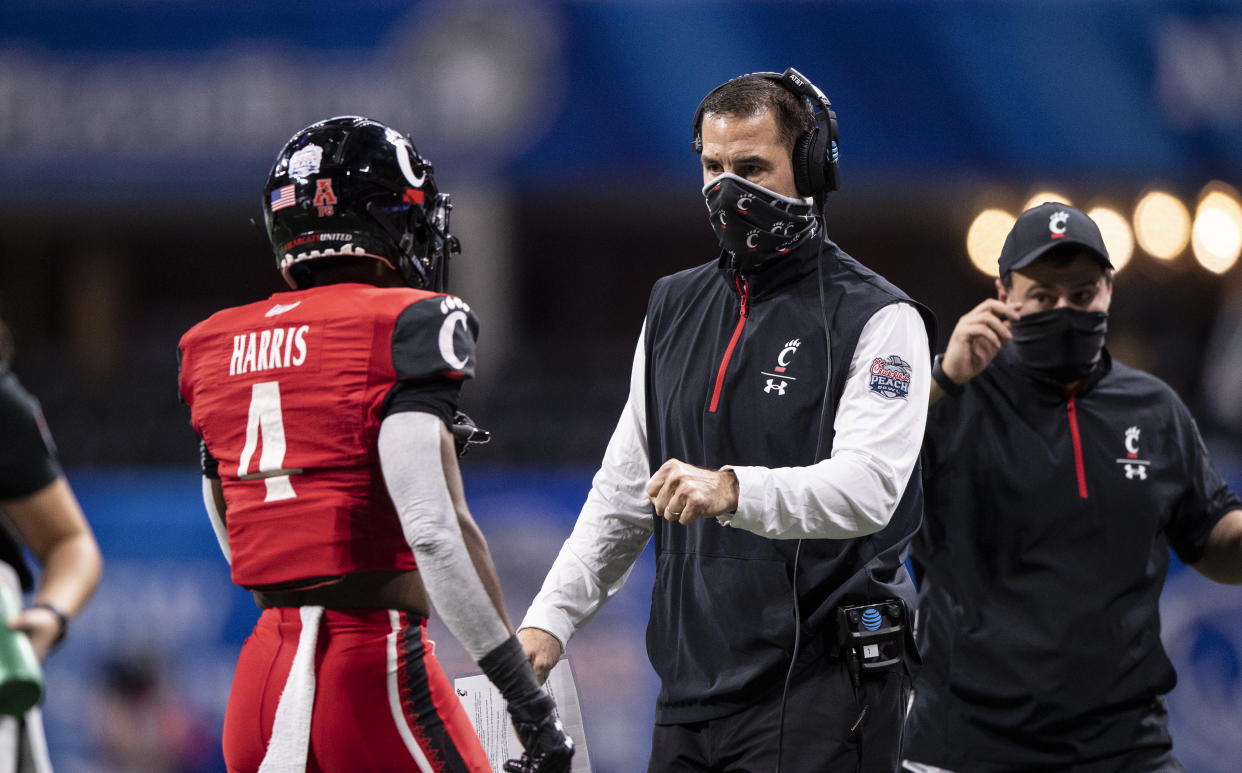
[1216, 237]
[1042, 196]
[1161, 225]
[986, 237]
[1117, 235]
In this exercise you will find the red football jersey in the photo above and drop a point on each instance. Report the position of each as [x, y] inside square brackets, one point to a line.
[288, 395]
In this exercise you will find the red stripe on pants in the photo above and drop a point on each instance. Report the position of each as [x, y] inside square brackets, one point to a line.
[352, 724]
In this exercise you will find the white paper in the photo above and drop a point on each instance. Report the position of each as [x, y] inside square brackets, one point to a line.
[490, 718]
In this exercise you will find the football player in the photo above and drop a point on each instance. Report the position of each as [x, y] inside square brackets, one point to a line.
[330, 475]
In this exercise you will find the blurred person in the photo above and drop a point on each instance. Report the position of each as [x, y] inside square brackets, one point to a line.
[331, 476]
[41, 513]
[770, 444]
[140, 724]
[1056, 479]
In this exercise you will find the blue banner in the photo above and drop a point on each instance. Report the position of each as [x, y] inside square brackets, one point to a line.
[192, 99]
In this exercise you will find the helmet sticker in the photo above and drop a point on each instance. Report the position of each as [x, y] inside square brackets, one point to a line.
[283, 197]
[324, 196]
[305, 161]
[404, 152]
[312, 238]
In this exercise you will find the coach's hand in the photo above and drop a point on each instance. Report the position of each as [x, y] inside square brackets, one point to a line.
[976, 339]
[542, 649]
[684, 493]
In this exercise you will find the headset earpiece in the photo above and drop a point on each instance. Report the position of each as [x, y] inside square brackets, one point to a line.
[803, 168]
[816, 153]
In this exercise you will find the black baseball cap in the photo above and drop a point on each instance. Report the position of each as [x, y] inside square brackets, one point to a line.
[1047, 227]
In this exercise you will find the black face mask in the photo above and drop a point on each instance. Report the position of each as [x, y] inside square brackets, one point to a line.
[1063, 344]
[753, 224]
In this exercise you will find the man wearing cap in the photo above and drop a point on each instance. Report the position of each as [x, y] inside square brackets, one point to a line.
[1056, 480]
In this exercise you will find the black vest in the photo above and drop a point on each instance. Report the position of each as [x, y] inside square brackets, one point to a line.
[720, 391]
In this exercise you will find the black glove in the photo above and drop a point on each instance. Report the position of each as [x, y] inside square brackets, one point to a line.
[547, 748]
[466, 433]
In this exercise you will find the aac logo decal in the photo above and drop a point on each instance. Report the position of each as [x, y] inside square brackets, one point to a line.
[455, 310]
[325, 197]
[1133, 465]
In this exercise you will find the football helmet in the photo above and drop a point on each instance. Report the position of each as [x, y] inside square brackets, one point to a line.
[352, 187]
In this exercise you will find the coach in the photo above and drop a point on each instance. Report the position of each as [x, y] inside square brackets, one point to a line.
[1056, 479]
[769, 444]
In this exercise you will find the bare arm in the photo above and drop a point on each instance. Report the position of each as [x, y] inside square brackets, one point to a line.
[1222, 556]
[472, 535]
[51, 523]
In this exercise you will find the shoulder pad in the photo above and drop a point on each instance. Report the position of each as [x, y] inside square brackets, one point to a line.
[435, 337]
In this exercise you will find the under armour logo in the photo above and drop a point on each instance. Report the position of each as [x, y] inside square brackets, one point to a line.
[1136, 471]
[773, 384]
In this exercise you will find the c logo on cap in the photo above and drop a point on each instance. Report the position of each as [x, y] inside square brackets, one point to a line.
[1057, 223]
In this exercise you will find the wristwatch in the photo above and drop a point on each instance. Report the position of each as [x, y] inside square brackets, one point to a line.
[60, 616]
[950, 387]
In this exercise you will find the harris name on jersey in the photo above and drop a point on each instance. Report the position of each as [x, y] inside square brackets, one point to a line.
[278, 347]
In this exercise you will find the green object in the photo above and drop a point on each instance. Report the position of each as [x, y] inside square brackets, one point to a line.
[21, 677]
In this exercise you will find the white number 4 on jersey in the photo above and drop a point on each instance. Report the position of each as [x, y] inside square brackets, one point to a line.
[266, 419]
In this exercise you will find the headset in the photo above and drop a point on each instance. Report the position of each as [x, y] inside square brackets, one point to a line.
[816, 153]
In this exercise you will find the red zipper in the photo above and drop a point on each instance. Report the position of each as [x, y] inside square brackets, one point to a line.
[743, 288]
[1078, 466]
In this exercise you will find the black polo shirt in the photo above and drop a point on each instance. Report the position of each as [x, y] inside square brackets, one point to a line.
[27, 458]
[1049, 517]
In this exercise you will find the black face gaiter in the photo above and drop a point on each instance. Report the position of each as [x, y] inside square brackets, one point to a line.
[753, 224]
[1063, 344]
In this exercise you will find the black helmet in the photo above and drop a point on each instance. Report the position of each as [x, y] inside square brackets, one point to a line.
[350, 186]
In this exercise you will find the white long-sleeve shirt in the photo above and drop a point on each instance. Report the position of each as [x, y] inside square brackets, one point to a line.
[850, 494]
